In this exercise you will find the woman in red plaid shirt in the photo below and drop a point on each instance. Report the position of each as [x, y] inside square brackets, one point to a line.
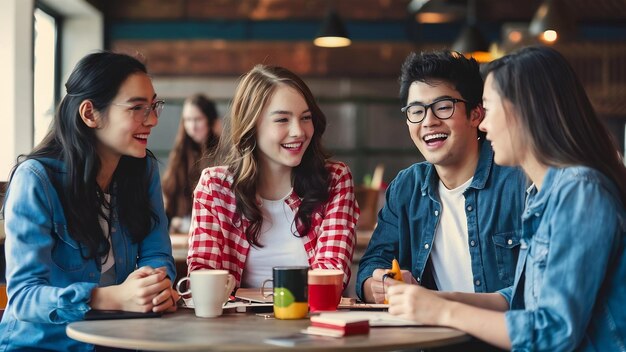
[277, 199]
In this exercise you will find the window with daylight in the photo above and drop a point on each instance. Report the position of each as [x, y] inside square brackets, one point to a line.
[45, 70]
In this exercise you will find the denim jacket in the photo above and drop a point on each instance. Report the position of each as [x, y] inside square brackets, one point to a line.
[408, 221]
[570, 282]
[49, 283]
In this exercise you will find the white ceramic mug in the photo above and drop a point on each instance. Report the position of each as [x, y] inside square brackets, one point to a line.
[209, 291]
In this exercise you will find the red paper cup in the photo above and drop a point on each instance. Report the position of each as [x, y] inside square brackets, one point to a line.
[325, 288]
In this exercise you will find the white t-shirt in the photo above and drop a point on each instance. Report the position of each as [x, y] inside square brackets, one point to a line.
[452, 263]
[280, 246]
[107, 270]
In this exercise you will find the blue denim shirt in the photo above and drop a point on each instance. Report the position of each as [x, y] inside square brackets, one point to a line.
[49, 284]
[570, 284]
[408, 221]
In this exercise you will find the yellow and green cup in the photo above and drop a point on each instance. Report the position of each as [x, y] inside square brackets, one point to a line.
[290, 291]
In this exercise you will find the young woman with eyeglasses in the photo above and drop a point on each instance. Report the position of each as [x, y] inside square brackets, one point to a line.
[569, 288]
[277, 199]
[84, 218]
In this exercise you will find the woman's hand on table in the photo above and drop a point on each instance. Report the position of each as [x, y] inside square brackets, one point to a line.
[166, 300]
[146, 289]
[136, 294]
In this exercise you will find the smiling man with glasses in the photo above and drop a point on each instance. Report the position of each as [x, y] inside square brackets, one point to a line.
[443, 109]
[452, 221]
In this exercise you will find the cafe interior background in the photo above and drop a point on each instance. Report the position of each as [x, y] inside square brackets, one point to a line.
[203, 46]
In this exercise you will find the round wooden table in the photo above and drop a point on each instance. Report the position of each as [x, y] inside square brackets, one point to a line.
[183, 331]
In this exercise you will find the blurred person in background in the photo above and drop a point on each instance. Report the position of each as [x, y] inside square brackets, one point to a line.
[198, 134]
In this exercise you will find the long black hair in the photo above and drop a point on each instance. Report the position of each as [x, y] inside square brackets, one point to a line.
[557, 118]
[97, 77]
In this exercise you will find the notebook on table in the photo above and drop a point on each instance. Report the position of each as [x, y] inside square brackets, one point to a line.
[376, 319]
[353, 304]
[253, 295]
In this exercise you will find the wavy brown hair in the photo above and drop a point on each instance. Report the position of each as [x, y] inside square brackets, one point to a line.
[187, 159]
[558, 120]
[237, 149]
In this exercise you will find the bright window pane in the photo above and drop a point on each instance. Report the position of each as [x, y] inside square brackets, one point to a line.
[44, 70]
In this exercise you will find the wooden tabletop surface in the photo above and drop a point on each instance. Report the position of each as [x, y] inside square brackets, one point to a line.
[183, 331]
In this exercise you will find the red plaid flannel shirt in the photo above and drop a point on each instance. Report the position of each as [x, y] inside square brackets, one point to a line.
[217, 237]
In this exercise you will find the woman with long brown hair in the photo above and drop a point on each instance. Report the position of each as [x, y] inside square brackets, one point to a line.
[277, 199]
[197, 137]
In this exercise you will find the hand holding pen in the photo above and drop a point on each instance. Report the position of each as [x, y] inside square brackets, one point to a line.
[394, 274]
[383, 278]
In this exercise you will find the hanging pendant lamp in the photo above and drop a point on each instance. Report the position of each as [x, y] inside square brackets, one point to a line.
[471, 42]
[551, 22]
[333, 33]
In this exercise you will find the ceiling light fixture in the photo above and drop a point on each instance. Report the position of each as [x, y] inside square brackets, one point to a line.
[436, 11]
[333, 33]
[471, 42]
[551, 22]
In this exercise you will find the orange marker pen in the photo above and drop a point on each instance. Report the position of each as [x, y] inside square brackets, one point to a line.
[394, 273]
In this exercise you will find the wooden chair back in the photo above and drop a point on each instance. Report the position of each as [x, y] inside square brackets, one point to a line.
[3, 297]
[367, 198]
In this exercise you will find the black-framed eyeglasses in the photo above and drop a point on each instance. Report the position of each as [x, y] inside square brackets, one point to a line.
[442, 109]
[140, 112]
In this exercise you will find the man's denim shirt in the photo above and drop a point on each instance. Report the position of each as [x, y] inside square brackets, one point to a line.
[49, 283]
[570, 283]
[408, 221]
